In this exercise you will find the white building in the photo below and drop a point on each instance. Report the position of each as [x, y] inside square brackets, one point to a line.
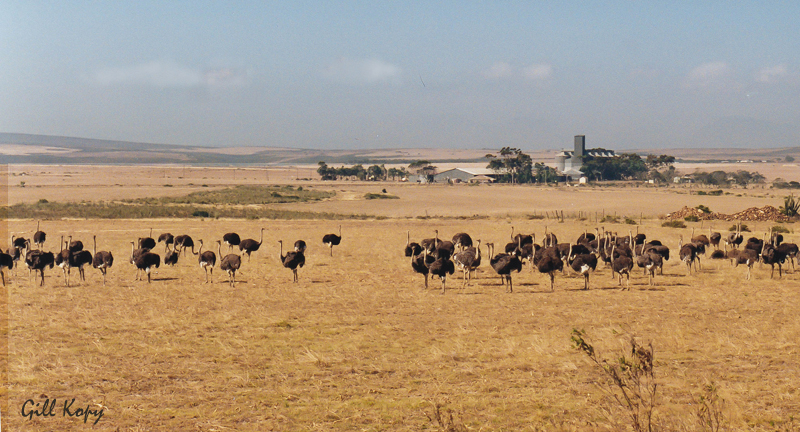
[569, 163]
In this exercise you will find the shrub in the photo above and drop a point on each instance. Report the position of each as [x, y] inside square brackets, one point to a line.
[674, 224]
[715, 192]
[781, 229]
[703, 208]
[691, 218]
[790, 207]
[371, 196]
[200, 213]
[609, 219]
[630, 221]
[42, 201]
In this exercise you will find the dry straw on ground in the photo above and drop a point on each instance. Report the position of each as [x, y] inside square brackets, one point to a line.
[357, 344]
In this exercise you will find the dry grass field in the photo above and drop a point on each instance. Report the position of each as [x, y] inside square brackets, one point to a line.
[358, 344]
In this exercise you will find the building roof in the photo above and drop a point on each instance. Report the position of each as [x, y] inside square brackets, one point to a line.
[572, 172]
[471, 171]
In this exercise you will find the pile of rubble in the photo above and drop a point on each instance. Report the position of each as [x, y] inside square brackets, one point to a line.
[763, 214]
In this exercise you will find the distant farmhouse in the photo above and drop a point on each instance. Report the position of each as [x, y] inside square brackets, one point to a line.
[459, 175]
[466, 175]
[568, 163]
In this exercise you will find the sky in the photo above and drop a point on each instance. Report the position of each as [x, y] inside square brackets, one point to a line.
[404, 74]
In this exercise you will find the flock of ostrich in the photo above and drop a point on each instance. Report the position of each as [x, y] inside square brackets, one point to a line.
[440, 258]
[429, 257]
[73, 256]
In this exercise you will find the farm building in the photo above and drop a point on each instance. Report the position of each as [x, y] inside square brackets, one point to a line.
[466, 175]
[568, 163]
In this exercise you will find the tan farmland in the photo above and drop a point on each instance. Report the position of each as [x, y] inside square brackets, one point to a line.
[358, 344]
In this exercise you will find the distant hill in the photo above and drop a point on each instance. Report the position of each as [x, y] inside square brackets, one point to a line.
[44, 149]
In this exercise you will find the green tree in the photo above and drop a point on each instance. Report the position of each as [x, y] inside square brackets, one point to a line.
[513, 165]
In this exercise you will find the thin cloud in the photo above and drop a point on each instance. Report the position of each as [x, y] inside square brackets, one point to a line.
[503, 70]
[362, 71]
[538, 72]
[499, 71]
[772, 74]
[708, 74]
[168, 75]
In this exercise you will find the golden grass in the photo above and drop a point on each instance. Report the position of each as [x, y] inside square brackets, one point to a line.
[359, 345]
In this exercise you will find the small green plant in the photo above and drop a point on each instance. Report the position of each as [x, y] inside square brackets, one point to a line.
[702, 193]
[703, 208]
[22, 184]
[630, 221]
[609, 219]
[535, 217]
[790, 207]
[715, 192]
[691, 218]
[200, 213]
[167, 185]
[42, 201]
[781, 229]
[674, 224]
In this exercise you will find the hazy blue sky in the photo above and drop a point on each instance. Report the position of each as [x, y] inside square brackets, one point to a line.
[367, 74]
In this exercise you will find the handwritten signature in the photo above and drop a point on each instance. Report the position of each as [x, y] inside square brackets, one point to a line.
[31, 409]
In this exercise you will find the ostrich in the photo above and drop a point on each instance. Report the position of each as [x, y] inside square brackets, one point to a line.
[714, 238]
[622, 264]
[649, 261]
[430, 243]
[747, 257]
[550, 239]
[444, 249]
[183, 242]
[332, 240]
[587, 239]
[300, 246]
[80, 259]
[441, 266]
[583, 263]
[136, 253]
[63, 258]
[790, 250]
[412, 249]
[468, 260]
[38, 260]
[772, 255]
[171, 257]
[7, 261]
[20, 242]
[16, 254]
[207, 261]
[168, 239]
[231, 239]
[75, 246]
[39, 237]
[521, 239]
[249, 245]
[504, 265]
[687, 253]
[230, 263]
[102, 260]
[735, 238]
[419, 263]
[549, 261]
[655, 246]
[145, 262]
[147, 242]
[700, 242]
[292, 260]
[462, 241]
